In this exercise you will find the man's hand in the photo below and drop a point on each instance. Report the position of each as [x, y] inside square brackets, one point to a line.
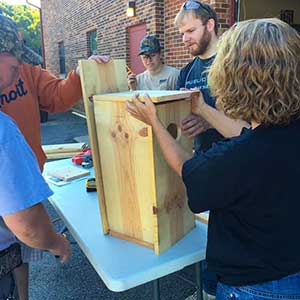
[197, 103]
[145, 112]
[193, 125]
[61, 248]
[131, 80]
[100, 59]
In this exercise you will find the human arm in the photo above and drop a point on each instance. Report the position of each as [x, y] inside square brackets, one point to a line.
[22, 189]
[146, 112]
[57, 95]
[33, 227]
[217, 119]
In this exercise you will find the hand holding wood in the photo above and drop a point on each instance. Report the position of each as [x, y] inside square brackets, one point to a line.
[145, 112]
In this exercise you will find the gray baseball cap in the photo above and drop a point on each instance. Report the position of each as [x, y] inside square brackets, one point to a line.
[149, 44]
[10, 43]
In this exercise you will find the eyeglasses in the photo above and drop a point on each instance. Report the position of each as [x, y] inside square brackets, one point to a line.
[148, 56]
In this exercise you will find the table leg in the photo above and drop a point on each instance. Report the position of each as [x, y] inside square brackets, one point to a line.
[199, 281]
[156, 290]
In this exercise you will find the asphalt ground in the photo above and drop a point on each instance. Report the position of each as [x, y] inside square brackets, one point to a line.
[49, 280]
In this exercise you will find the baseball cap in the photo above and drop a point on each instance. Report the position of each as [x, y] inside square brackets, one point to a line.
[10, 43]
[149, 44]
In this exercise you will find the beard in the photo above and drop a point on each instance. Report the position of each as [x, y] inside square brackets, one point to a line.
[203, 44]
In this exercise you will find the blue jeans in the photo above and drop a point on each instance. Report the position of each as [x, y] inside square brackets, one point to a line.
[286, 288]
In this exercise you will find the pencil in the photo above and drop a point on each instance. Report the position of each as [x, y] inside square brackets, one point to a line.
[128, 69]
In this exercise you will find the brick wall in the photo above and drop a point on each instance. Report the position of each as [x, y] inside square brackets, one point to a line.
[70, 21]
[175, 54]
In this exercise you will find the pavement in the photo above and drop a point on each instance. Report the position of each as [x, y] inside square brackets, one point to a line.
[49, 280]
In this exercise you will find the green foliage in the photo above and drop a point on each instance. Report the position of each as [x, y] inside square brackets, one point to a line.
[28, 23]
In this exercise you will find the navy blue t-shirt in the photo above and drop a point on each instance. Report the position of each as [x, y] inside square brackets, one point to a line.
[194, 75]
[250, 184]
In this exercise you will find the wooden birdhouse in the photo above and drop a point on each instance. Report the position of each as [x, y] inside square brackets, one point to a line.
[141, 198]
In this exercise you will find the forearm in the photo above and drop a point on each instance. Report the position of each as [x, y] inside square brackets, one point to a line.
[56, 95]
[33, 227]
[172, 151]
[217, 119]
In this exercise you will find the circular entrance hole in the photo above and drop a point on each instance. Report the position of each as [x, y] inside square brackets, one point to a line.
[174, 131]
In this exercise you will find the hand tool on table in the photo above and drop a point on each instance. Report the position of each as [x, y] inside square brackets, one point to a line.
[91, 185]
[83, 158]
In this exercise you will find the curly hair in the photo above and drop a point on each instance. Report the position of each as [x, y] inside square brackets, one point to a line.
[256, 73]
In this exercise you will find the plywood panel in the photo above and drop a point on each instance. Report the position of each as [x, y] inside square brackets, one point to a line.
[100, 78]
[174, 218]
[127, 169]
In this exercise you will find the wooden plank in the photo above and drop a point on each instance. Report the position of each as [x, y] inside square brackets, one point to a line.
[127, 170]
[174, 218]
[69, 173]
[61, 155]
[156, 96]
[95, 79]
[63, 148]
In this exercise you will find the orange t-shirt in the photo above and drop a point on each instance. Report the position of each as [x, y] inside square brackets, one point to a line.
[36, 89]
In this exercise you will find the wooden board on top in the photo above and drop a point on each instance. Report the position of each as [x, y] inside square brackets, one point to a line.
[156, 96]
[100, 78]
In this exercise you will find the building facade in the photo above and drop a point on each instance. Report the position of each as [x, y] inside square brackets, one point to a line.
[74, 29]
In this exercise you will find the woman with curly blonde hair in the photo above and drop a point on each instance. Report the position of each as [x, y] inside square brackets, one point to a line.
[256, 75]
[250, 182]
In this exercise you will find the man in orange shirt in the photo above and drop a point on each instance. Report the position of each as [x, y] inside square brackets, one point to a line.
[25, 89]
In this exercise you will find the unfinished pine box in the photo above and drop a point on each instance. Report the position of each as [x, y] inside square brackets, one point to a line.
[145, 201]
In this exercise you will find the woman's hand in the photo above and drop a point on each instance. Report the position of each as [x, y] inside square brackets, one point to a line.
[197, 103]
[145, 112]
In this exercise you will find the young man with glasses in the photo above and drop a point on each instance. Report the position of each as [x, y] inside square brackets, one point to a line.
[157, 76]
[198, 25]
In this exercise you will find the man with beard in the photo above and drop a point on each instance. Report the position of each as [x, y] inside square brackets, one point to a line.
[198, 25]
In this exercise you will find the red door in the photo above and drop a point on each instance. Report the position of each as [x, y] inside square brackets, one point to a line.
[135, 35]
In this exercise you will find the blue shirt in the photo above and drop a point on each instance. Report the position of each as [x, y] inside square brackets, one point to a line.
[22, 184]
[194, 75]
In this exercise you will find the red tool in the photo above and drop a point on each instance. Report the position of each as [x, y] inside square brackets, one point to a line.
[83, 158]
